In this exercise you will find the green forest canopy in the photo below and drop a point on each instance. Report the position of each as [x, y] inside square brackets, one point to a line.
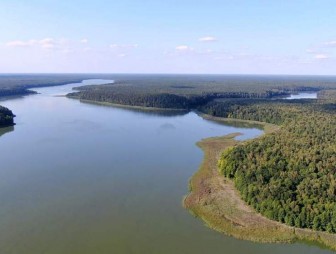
[290, 175]
[191, 91]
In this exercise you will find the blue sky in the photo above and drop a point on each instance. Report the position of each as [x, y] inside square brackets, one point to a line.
[225, 37]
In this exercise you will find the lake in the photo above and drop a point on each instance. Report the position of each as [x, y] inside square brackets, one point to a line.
[302, 95]
[80, 178]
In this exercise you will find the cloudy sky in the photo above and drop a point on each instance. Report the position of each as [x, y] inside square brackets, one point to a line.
[171, 36]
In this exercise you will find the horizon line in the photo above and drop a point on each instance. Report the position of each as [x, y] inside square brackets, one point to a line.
[154, 73]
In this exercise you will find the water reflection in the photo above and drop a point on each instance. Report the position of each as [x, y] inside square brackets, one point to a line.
[5, 130]
[303, 95]
[238, 123]
[143, 111]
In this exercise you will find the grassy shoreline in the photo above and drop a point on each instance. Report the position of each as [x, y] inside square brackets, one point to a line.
[215, 200]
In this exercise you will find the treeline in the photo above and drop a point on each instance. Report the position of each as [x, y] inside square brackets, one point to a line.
[263, 110]
[161, 97]
[288, 176]
[143, 100]
[15, 92]
[6, 117]
[200, 84]
[156, 100]
[192, 91]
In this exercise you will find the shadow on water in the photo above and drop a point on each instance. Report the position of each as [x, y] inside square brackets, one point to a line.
[314, 243]
[13, 97]
[5, 130]
[173, 113]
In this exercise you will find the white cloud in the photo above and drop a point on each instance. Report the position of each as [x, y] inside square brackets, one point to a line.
[84, 40]
[18, 43]
[184, 48]
[330, 43]
[123, 46]
[207, 39]
[321, 56]
[46, 43]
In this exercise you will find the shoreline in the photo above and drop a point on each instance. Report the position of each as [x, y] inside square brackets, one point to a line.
[214, 199]
[126, 106]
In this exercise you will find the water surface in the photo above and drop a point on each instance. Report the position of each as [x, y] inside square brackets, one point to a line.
[81, 178]
[303, 95]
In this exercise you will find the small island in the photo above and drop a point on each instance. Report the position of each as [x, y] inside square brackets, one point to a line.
[6, 117]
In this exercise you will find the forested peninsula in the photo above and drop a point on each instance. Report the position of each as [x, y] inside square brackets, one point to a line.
[193, 91]
[288, 176]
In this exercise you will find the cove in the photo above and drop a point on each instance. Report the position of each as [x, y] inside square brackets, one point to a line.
[84, 178]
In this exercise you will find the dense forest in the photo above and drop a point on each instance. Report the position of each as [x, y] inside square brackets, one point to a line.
[263, 110]
[6, 117]
[192, 91]
[328, 94]
[290, 175]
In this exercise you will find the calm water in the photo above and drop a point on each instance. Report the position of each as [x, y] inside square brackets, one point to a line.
[87, 179]
[310, 95]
